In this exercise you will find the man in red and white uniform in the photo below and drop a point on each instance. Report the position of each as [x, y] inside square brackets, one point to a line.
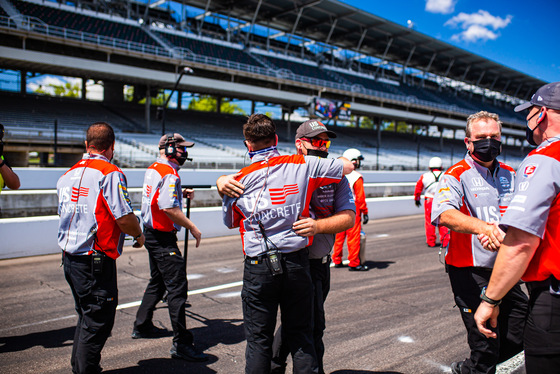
[278, 190]
[95, 213]
[531, 248]
[428, 184]
[162, 215]
[470, 198]
[356, 182]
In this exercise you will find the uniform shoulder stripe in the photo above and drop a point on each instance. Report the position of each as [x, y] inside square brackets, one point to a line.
[552, 150]
[506, 167]
[458, 169]
[163, 169]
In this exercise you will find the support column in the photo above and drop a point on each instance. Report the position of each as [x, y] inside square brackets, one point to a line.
[23, 82]
[84, 90]
[147, 107]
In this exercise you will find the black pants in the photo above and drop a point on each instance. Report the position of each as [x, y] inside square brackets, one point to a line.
[542, 331]
[167, 271]
[321, 278]
[262, 293]
[486, 353]
[96, 298]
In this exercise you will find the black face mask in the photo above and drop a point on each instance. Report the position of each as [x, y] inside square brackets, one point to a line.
[317, 153]
[529, 135]
[487, 150]
[183, 156]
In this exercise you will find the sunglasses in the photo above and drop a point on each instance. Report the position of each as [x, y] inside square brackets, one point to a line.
[316, 142]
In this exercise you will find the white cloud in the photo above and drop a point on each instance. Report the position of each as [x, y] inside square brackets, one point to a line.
[440, 6]
[477, 26]
[475, 33]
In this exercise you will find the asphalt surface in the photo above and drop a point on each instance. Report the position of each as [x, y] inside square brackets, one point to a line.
[399, 317]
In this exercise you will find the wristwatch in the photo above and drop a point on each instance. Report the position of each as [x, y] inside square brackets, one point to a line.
[489, 300]
[137, 236]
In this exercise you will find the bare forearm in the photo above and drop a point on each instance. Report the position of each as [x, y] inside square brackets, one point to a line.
[178, 217]
[459, 222]
[129, 225]
[336, 223]
[513, 258]
[10, 178]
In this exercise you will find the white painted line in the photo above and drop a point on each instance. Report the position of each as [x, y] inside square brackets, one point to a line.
[131, 304]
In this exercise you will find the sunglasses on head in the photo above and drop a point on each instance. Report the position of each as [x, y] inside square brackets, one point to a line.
[316, 142]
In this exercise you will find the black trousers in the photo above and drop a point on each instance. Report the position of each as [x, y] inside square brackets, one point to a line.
[321, 278]
[167, 271]
[95, 298]
[486, 353]
[542, 331]
[262, 293]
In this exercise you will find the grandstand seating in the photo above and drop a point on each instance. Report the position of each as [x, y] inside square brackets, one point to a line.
[85, 23]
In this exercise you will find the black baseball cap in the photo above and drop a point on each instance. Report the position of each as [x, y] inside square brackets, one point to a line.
[312, 128]
[547, 96]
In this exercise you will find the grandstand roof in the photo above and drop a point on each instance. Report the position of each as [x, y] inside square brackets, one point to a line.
[344, 26]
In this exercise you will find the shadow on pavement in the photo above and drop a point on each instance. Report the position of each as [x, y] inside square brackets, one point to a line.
[47, 339]
[378, 264]
[216, 331]
[166, 365]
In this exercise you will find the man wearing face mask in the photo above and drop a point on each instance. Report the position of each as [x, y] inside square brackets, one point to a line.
[470, 200]
[162, 216]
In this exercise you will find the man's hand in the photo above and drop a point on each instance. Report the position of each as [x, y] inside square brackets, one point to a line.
[196, 233]
[485, 313]
[139, 242]
[188, 193]
[492, 237]
[227, 185]
[418, 203]
[305, 226]
[365, 218]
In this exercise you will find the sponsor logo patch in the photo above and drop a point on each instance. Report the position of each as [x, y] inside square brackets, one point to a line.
[529, 170]
[278, 195]
[76, 193]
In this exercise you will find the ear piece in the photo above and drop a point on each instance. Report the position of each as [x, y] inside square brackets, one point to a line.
[540, 117]
[275, 144]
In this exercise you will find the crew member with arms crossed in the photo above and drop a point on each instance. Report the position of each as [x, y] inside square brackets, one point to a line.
[531, 247]
[333, 210]
[162, 216]
[95, 213]
[469, 200]
[277, 192]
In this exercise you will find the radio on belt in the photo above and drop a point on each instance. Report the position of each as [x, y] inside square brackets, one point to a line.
[273, 255]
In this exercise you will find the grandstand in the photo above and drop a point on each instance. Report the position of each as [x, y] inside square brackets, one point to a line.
[260, 52]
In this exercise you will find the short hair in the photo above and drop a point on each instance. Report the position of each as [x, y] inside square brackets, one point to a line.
[100, 136]
[259, 128]
[482, 115]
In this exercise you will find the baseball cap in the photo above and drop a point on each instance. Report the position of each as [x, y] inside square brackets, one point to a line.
[547, 96]
[312, 128]
[178, 138]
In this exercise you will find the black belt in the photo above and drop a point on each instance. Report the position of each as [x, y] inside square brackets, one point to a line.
[259, 259]
[544, 284]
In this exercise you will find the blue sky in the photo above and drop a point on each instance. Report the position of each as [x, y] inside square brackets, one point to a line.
[523, 35]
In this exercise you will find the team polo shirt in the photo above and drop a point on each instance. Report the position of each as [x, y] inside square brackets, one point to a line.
[476, 192]
[325, 202]
[92, 195]
[161, 190]
[535, 208]
[278, 191]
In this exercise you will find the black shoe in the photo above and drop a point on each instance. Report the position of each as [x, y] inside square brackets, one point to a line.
[341, 265]
[188, 353]
[150, 333]
[456, 367]
[358, 268]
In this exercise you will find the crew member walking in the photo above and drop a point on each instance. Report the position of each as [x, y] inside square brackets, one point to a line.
[95, 213]
[162, 216]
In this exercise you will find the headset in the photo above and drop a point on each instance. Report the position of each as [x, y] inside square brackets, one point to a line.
[170, 145]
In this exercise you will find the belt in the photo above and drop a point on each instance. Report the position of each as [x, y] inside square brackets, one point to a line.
[259, 259]
[544, 284]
